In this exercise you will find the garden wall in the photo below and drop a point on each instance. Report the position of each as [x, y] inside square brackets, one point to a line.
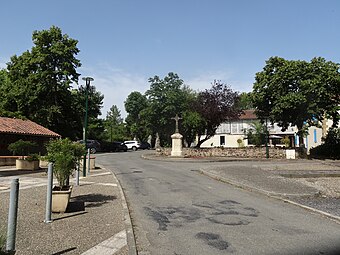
[244, 152]
[8, 160]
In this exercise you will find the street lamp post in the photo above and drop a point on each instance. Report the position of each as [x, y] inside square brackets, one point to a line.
[87, 80]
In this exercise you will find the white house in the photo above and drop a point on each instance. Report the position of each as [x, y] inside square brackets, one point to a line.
[232, 133]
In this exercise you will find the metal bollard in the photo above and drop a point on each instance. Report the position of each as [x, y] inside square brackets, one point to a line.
[88, 161]
[12, 216]
[77, 173]
[48, 215]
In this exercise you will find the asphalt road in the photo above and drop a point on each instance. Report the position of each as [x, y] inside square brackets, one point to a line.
[176, 210]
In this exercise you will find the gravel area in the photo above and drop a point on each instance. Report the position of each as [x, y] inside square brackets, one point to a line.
[311, 183]
[94, 215]
[329, 199]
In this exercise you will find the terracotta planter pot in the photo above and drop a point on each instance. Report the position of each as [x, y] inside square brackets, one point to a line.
[22, 164]
[60, 199]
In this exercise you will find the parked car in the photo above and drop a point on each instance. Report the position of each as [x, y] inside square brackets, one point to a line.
[93, 145]
[144, 146]
[113, 146]
[132, 145]
[119, 146]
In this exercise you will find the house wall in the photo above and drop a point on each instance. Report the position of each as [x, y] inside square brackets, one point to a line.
[230, 141]
[313, 138]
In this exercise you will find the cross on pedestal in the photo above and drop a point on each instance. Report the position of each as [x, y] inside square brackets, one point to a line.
[176, 118]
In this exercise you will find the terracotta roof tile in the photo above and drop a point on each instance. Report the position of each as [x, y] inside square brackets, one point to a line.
[24, 127]
[248, 115]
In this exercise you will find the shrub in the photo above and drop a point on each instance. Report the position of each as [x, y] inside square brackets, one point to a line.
[331, 147]
[285, 141]
[323, 151]
[65, 154]
[21, 148]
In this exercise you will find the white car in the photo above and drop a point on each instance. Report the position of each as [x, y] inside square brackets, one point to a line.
[132, 145]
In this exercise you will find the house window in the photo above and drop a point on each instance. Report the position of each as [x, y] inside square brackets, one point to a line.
[234, 128]
[315, 138]
[222, 140]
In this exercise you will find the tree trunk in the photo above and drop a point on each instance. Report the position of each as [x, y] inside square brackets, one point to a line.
[199, 143]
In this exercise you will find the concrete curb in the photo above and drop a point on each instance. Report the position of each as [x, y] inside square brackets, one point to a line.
[127, 219]
[274, 195]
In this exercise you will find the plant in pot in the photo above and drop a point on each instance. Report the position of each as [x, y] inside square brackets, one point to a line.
[65, 155]
[22, 149]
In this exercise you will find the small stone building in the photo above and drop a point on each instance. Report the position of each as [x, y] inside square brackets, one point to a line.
[12, 130]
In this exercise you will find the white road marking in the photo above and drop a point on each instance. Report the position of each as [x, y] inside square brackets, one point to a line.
[109, 246]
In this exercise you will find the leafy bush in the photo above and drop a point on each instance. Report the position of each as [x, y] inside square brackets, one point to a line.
[21, 148]
[33, 157]
[324, 151]
[285, 141]
[65, 154]
[256, 134]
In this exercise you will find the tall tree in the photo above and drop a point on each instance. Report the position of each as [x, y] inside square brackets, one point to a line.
[41, 80]
[166, 97]
[295, 92]
[137, 120]
[216, 105]
[114, 126]
[7, 103]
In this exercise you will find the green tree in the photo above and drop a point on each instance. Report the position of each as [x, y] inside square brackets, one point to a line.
[137, 121]
[7, 103]
[95, 102]
[41, 80]
[297, 92]
[245, 101]
[215, 105]
[167, 97]
[114, 125]
[192, 124]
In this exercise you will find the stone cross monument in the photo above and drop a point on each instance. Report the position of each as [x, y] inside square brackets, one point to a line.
[176, 118]
[176, 150]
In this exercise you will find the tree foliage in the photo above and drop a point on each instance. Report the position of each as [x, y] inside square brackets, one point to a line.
[256, 134]
[137, 121]
[216, 105]
[201, 112]
[40, 81]
[114, 125]
[245, 101]
[37, 85]
[166, 97]
[295, 92]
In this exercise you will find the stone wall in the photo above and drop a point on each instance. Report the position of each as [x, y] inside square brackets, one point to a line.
[8, 160]
[244, 152]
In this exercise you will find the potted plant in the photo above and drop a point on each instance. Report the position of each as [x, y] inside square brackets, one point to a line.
[25, 161]
[64, 154]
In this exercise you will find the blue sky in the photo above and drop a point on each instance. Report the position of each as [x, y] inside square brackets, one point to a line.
[125, 42]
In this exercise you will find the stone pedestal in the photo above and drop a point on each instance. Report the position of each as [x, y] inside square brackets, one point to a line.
[176, 145]
[290, 153]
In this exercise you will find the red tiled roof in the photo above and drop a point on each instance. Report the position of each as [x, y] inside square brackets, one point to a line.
[24, 127]
[248, 115]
